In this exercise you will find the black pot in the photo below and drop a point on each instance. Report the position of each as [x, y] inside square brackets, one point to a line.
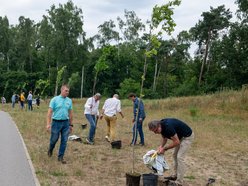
[150, 179]
[116, 144]
[132, 179]
[84, 126]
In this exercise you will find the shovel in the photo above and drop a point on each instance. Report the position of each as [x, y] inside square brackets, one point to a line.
[210, 181]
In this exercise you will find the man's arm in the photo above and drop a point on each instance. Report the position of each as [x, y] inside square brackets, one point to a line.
[101, 115]
[49, 118]
[175, 142]
[70, 117]
[121, 114]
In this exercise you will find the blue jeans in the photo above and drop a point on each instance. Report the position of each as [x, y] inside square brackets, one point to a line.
[140, 131]
[92, 120]
[59, 128]
[30, 106]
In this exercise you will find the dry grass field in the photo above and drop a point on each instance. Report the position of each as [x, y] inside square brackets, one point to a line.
[220, 123]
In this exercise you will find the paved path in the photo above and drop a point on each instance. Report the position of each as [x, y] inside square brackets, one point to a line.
[16, 168]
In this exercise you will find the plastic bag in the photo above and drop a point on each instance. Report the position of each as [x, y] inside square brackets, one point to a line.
[155, 162]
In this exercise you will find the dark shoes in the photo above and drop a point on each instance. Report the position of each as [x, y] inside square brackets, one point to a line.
[173, 183]
[173, 178]
[50, 153]
[61, 159]
[140, 144]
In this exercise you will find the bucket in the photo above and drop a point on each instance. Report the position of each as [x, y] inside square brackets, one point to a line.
[132, 179]
[84, 126]
[150, 179]
[116, 144]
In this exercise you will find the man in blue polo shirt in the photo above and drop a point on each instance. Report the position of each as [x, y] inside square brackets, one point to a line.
[182, 137]
[59, 121]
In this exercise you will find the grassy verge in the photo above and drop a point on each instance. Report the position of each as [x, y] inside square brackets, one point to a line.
[220, 123]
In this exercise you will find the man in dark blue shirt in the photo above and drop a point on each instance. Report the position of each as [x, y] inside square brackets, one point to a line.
[181, 135]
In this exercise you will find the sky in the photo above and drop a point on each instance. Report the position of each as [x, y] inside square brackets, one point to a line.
[95, 12]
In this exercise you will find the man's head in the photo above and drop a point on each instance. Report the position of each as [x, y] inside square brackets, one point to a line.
[97, 96]
[64, 90]
[132, 96]
[116, 96]
[155, 126]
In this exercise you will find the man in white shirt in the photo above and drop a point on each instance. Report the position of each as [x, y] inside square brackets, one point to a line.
[109, 110]
[91, 112]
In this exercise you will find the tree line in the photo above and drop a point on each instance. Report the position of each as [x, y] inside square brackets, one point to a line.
[41, 56]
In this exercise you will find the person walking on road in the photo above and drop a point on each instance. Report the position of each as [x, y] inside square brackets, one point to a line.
[182, 137]
[13, 100]
[91, 113]
[139, 116]
[59, 122]
[109, 110]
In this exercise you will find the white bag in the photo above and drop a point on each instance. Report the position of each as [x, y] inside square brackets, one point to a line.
[155, 162]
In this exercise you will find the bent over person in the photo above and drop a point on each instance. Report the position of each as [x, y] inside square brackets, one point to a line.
[59, 121]
[182, 137]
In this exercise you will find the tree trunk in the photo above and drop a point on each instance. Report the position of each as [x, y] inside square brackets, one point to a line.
[56, 85]
[155, 76]
[205, 57]
[82, 83]
[166, 60]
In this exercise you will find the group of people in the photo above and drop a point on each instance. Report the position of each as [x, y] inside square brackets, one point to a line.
[59, 122]
[110, 109]
[21, 100]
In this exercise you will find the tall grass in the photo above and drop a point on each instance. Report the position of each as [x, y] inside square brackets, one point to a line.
[220, 123]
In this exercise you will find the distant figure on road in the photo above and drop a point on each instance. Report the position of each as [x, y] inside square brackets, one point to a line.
[182, 137]
[13, 100]
[3, 100]
[139, 115]
[30, 100]
[91, 113]
[59, 121]
[109, 111]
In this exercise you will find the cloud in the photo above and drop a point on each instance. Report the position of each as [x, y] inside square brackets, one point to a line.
[95, 12]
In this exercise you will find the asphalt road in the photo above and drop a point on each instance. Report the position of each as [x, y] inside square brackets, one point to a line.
[16, 168]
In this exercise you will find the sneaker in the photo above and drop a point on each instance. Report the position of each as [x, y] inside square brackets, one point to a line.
[107, 138]
[61, 159]
[50, 153]
[89, 142]
[141, 144]
[132, 144]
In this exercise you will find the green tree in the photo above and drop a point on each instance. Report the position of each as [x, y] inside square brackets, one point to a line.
[60, 31]
[4, 44]
[207, 30]
[107, 34]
